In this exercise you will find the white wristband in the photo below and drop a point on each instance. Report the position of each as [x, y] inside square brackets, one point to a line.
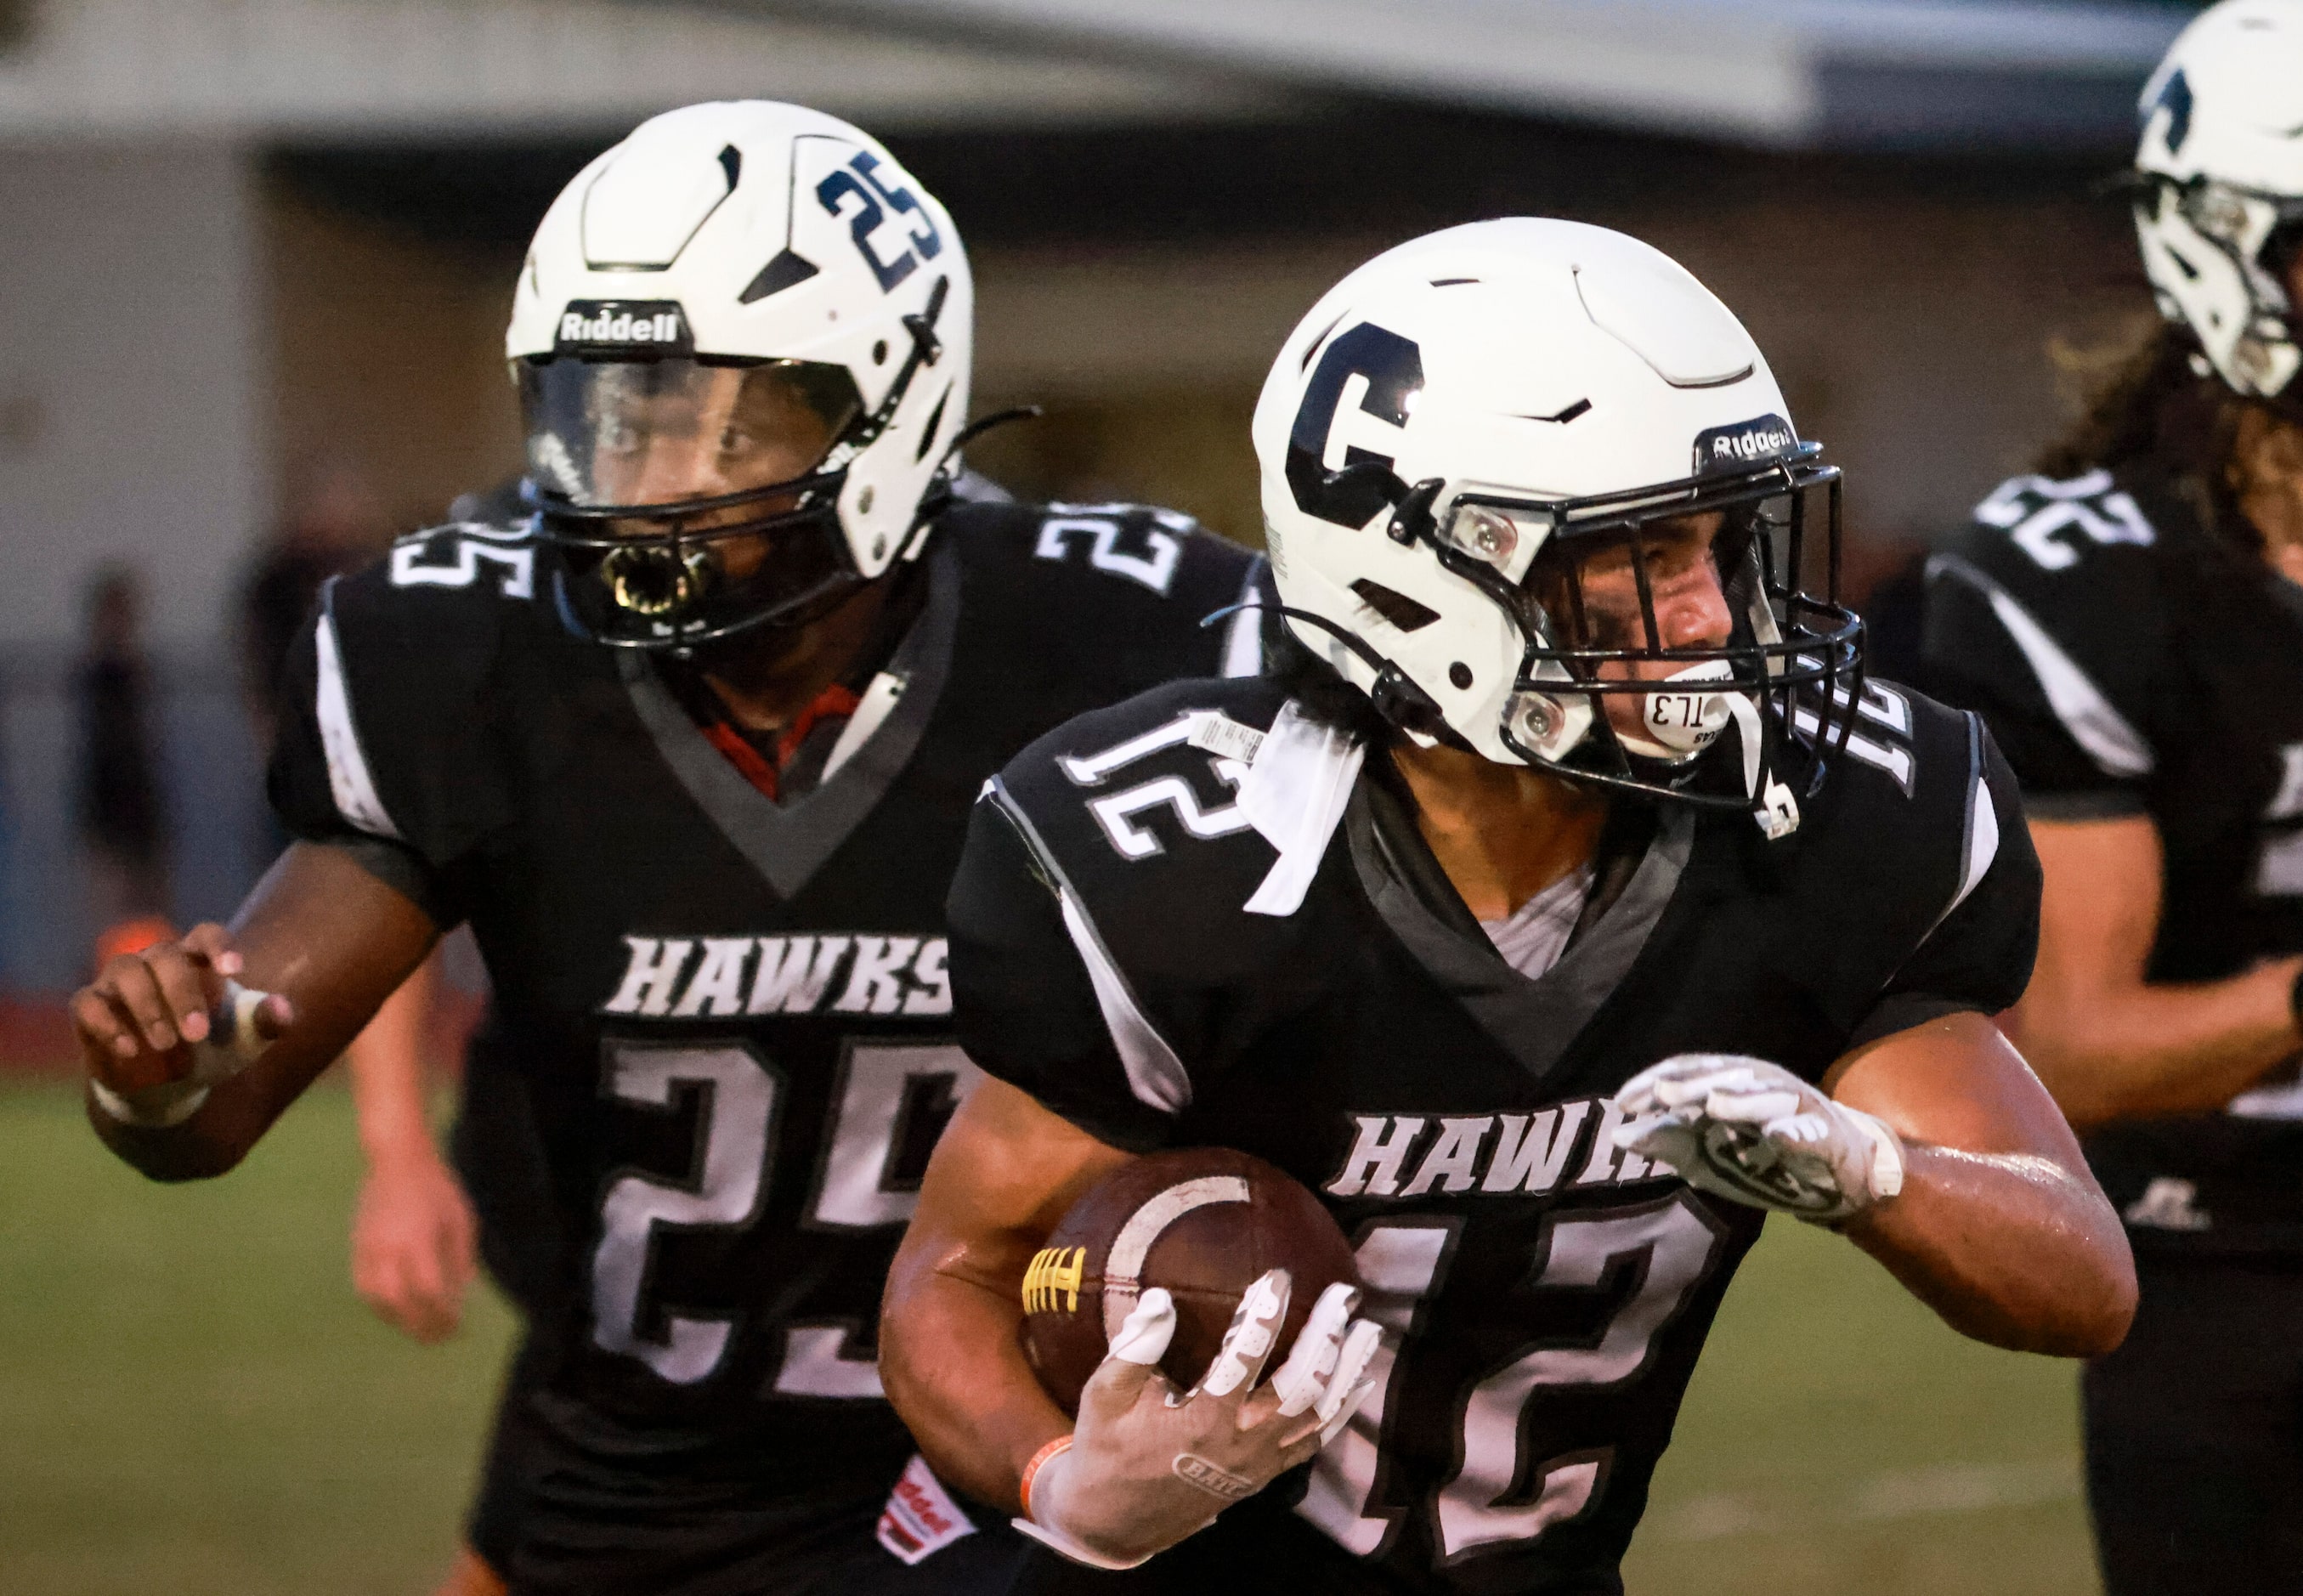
[215, 1060]
[155, 1108]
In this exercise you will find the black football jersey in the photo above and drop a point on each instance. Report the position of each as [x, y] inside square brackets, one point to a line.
[2130, 663]
[731, 1016]
[1550, 1293]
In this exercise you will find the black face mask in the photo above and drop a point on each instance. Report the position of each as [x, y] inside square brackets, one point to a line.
[638, 471]
[1795, 653]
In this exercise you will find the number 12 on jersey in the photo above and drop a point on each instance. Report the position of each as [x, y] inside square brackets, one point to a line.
[1496, 1493]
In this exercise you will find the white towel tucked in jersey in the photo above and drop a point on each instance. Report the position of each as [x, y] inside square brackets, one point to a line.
[1532, 937]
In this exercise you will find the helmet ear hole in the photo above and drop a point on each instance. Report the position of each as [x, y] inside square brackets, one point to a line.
[1396, 607]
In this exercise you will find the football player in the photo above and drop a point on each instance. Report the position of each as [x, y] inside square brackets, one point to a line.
[1569, 904]
[2129, 621]
[693, 753]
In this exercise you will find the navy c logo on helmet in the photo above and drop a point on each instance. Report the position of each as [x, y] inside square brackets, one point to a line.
[1393, 368]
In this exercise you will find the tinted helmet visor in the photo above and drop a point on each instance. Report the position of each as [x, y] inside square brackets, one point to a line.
[680, 500]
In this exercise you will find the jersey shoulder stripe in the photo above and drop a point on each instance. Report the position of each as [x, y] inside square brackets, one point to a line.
[2081, 706]
[1156, 1075]
[349, 782]
[399, 696]
[1907, 824]
[2055, 614]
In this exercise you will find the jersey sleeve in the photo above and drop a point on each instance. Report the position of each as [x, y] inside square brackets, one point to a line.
[1102, 958]
[2046, 619]
[1023, 1001]
[1977, 956]
[388, 746]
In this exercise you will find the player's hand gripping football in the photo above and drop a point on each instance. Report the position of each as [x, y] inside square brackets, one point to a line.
[159, 1029]
[1756, 1133]
[1150, 1466]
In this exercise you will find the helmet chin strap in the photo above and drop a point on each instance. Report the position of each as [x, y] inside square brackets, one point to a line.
[1395, 695]
[1690, 722]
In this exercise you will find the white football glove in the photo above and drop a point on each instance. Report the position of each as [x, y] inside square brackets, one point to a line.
[1150, 1466]
[1756, 1133]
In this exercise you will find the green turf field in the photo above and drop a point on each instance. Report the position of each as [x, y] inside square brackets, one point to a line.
[192, 1401]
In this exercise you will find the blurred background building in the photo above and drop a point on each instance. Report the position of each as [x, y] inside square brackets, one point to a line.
[256, 255]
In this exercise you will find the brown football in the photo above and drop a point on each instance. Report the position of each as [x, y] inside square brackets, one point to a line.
[1204, 1222]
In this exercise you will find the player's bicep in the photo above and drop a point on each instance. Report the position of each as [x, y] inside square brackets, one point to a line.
[1956, 1082]
[2099, 904]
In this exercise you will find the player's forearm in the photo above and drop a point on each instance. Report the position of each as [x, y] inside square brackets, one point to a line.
[385, 1062]
[213, 1141]
[953, 1365]
[2143, 1051]
[201, 1148]
[2016, 1250]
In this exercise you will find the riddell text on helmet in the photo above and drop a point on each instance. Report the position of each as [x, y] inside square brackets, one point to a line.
[652, 323]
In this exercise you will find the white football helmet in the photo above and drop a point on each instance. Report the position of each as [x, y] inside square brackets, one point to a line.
[1463, 421]
[726, 268]
[2220, 202]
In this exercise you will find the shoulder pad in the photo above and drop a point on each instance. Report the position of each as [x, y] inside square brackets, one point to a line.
[1901, 748]
[428, 662]
[1896, 799]
[438, 607]
[1908, 823]
[1150, 759]
[1124, 547]
[2057, 611]
[478, 557]
[1132, 813]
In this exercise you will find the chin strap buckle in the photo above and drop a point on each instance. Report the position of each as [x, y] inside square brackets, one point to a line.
[1778, 813]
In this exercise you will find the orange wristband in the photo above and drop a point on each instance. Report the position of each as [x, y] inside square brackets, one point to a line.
[1054, 1449]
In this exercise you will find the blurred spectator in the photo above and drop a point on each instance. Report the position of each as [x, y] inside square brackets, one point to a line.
[497, 505]
[118, 805]
[335, 523]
